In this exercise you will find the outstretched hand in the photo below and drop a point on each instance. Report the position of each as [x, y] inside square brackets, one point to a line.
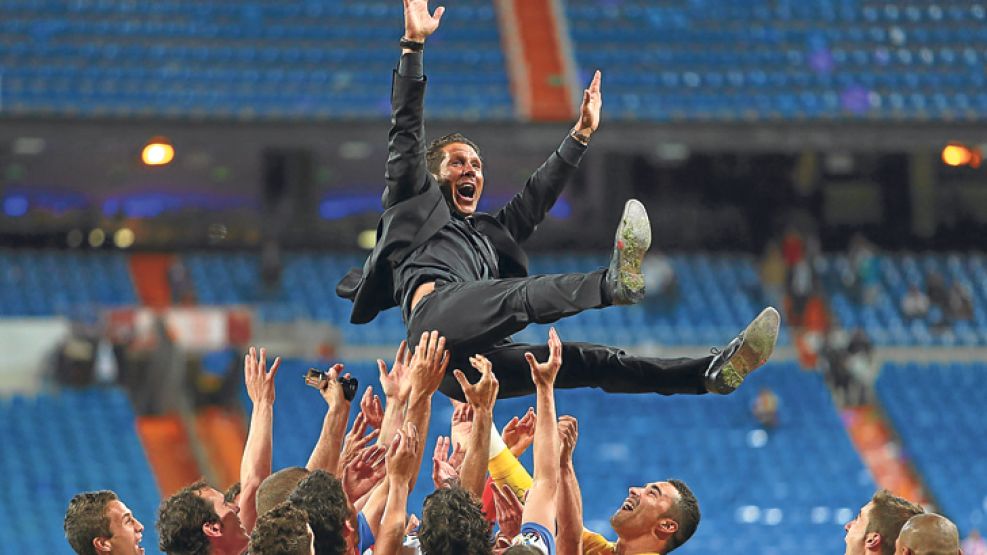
[259, 381]
[589, 111]
[418, 23]
[544, 373]
[483, 394]
[519, 433]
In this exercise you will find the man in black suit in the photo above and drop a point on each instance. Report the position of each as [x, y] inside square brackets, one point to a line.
[462, 272]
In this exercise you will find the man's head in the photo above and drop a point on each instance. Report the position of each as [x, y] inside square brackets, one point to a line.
[330, 514]
[455, 162]
[97, 522]
[283, 530]
[876, 526]
[928, 534]
[666, 513]
[452, 522]
[276, 488]
[198, 520]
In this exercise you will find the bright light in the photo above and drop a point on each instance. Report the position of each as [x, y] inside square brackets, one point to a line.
[956, 155]
[158, 152]
[123, 238]
[96, 238]
[367, 239]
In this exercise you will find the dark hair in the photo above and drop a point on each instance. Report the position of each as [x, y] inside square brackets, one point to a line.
[452, 522]
[276, 488]
[180, 521]
[86, 519]
[887, 515]
[230, 494]
[282, 530]
[434, 155]
[686, 514]
[321, 495]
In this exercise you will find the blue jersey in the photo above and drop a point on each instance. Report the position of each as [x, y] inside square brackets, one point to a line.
[536, 536]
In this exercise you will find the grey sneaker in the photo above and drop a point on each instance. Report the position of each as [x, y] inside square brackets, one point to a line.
[625, 282]
[746, 353]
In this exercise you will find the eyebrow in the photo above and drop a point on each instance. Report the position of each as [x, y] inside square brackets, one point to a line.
[658, 489]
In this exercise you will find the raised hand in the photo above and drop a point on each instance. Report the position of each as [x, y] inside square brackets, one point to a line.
[483, 394]
[445, 467]
[429, 363]
[396, 384]
[418, 23]
[329, 387]
[355, 442]
[519, 433]
[544, 373]
[568, 435]
[371, 408]
[402, 454]
[508, 509]
[365, 471]
[259, 380]
[589, 111]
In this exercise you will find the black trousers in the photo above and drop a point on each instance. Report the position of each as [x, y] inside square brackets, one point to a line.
[479, 316]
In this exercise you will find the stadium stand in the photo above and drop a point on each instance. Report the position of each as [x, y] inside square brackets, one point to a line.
[790, 488]
[787, 59]
[246, 60]
[945, 446]
[48, 282]
[883, 319]
[56, 445]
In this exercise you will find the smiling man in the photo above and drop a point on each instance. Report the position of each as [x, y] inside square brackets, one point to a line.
[98, 523]
[452, 268]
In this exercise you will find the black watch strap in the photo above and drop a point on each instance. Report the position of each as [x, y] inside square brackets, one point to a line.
[412, 45]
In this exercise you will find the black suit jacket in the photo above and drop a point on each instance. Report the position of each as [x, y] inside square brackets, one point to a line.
[415, 208]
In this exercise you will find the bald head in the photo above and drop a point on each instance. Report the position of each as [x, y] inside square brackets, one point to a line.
[928, 534]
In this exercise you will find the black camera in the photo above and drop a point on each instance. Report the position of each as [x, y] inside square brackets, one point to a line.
[317, 379]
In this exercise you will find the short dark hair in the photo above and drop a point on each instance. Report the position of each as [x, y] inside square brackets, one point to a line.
[230, 494]
[321, 496]
[276, 488]
[452, 522]
[686, 514]
[85, 520]
[180, 520]
[434, 155]
[282, 530]
[887, 516]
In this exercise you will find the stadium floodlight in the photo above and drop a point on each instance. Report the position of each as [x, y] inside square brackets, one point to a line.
[158, 152]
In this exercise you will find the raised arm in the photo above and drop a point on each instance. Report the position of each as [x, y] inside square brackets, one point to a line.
[569, 499]
[396, 386]
[528, 208]
[428, 365]
[256, 463]
[406, 171]
[540, 508]
[325, 454]
[481, 398]
[401, 458]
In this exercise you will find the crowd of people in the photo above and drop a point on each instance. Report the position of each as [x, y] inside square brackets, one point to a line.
[351, 496]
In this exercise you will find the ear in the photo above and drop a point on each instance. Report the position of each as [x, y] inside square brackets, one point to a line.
[665, 528]
[212, 529]
[102, 544]
[872, 541]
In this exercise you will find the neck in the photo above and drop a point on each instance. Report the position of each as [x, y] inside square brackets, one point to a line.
[643, 544]
[217, 550]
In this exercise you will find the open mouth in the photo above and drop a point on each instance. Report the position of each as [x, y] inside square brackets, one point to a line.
[628, 505]
[138, 544]
[466, 191]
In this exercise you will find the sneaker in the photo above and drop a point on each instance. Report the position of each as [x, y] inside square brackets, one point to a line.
[746, 353]
[625, 282]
